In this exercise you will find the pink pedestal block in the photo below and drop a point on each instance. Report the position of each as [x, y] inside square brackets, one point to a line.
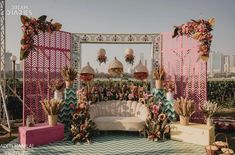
[40, 134]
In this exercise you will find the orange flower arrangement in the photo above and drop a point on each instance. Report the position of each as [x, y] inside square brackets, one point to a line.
[199, 30]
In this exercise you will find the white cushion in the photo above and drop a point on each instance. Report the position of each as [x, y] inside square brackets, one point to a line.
[119, 123]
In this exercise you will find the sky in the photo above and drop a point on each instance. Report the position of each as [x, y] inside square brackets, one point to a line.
[123, 16]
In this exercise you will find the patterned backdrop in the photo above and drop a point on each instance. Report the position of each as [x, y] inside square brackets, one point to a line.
[41, 66]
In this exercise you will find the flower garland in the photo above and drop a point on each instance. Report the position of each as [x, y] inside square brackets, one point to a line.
[199, 30]
[30, 28]
[82, 127]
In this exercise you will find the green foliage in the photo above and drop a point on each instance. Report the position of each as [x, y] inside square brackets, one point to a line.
[222, 92]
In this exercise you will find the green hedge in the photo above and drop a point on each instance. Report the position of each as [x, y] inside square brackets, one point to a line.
[222, 92]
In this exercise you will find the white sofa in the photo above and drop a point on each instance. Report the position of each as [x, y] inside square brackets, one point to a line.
[119, 115]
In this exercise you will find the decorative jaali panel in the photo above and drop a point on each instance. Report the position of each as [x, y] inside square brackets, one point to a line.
[83, 38]
[41, 66]
[181, 61]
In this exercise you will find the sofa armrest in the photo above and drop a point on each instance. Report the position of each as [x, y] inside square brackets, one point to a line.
[144, 112]
[92, 111]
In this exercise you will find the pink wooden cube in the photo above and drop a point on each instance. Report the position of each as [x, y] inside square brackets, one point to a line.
[40, 134]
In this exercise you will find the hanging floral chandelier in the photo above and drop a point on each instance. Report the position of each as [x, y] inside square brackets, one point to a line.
[101, 56]
[129, 56]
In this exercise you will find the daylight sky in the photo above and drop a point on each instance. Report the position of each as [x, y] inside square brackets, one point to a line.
[125, 16]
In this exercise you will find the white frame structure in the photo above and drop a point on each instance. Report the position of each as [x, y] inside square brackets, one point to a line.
[154, 39]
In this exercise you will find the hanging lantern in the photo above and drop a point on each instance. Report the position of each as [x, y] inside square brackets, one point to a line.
[87, 73]
[115, 67]
[101, 56]
[140, 72]
[129, 56]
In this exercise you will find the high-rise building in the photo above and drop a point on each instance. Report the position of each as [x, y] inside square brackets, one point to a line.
[232, 63]
[226, 64]
[18, 67]
[216, 62]
[21, 65]
[8, 62]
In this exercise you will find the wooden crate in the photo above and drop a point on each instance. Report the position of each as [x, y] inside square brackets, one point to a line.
[200, 134]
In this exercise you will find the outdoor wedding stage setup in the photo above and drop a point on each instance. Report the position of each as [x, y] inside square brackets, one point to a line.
[161, 110]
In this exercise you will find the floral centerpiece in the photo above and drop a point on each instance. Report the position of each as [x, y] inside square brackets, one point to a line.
[184, 108]
[199, 30]
[129, 56]
[51, 108]
[31, 27]
[57, 85]
[69, 74]
[208, 108]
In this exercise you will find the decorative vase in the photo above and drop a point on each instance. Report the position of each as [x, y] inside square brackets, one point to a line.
[52, 120]
[68, 84]
[209, 121]
[158, 84]
[184, 120]
[58, 95]
[169, 96]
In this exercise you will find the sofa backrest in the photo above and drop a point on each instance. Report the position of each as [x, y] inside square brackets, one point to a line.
[119, 108]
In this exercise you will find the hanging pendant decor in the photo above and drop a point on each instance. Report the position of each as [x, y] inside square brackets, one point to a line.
[199, 30]
[129, 56]
[87, 73]
[140, 72]
[101, 56]
[115, 67]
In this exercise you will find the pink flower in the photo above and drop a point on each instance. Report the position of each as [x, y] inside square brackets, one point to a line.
[130, 96]
[155, 109]
[72, 106]
[82, 105]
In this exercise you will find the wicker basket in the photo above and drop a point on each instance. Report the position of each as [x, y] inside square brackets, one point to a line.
[227, 151]
[211, 149]
[221, 144]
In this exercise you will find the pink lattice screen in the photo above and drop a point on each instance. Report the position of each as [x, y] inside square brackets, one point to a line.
[181, 61]
[53, 53]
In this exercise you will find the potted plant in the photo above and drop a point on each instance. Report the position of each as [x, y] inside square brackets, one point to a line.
[51, 108]
[159, 76]
[69, 74]
[57, 86]
[184, 108]
[208, 108]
